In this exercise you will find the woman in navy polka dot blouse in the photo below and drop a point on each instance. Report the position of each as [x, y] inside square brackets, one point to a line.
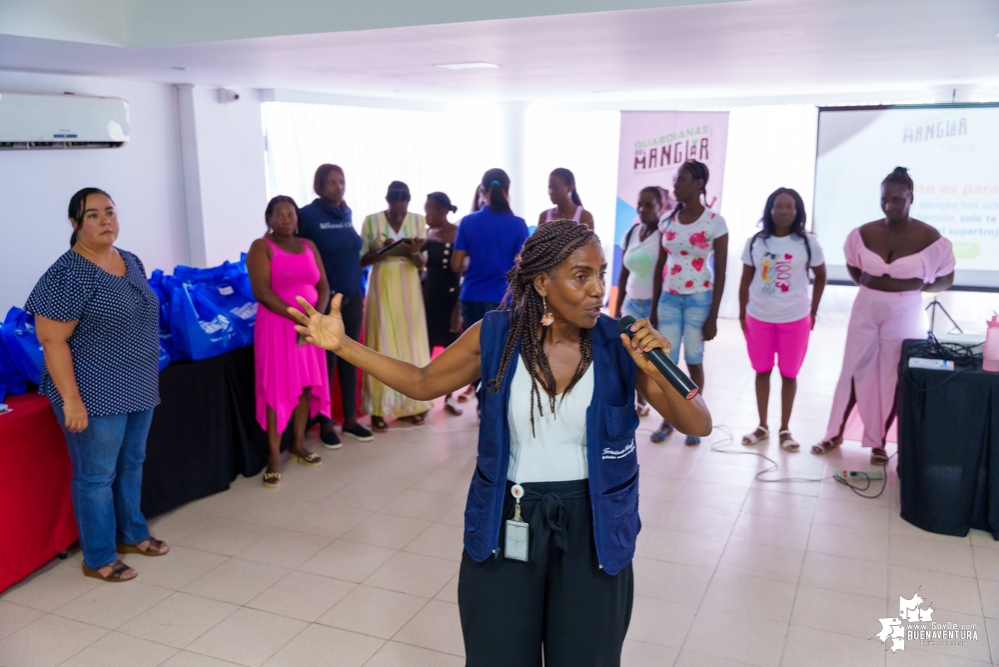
[98, 322]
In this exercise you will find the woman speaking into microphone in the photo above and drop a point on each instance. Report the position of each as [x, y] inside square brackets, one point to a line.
[552, 512]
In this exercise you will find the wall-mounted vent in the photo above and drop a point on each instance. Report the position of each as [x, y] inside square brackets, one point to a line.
[30, 121]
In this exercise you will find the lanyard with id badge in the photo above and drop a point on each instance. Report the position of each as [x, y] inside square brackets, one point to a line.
[518, 532]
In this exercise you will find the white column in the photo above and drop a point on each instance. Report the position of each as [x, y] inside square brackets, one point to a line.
[225, 188]
[194, 223]
[515, 138]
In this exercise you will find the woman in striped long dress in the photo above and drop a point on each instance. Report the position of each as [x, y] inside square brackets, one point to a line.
[395, 321]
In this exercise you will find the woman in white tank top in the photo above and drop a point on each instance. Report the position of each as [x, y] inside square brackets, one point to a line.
[568, 206]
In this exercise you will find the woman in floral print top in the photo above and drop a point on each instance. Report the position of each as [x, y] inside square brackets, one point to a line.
[692, 265]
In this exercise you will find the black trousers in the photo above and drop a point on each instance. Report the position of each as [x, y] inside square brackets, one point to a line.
[352, 312]
[560, 604]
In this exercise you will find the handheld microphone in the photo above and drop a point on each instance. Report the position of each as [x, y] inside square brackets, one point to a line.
[683, 384]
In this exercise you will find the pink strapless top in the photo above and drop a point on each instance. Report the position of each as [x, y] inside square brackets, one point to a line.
[576, 217]
[933, 261]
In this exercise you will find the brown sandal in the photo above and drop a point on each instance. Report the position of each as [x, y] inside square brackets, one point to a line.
[378, 425]
[118, 569]
[311, 460]
[417, 420]
[271, 480]
[155, 548]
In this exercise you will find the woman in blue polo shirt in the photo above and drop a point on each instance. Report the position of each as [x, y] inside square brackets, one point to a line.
[491, 238]
[557, 434]
[327, 223]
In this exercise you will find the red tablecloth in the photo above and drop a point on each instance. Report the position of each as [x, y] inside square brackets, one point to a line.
[36, 512]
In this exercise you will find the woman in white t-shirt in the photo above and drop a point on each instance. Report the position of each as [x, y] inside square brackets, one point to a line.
[774, 307]
[685, 309]
[639, 253]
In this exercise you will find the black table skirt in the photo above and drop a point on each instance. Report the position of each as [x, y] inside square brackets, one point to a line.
[204, 431]
[948, 453]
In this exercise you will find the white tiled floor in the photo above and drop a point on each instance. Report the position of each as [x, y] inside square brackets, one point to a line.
[356, 563]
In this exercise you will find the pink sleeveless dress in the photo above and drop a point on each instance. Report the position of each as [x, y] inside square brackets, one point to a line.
[879, 322]
[284, 368]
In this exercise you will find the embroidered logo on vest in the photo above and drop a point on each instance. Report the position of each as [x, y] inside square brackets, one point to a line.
[609, 453]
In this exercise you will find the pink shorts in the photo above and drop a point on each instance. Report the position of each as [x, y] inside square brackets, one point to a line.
[787, 340]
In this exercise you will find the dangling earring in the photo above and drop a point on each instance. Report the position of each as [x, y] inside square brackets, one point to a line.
[547, 318]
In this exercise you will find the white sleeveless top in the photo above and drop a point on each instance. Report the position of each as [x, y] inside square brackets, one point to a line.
[576, 217]
[556, 451]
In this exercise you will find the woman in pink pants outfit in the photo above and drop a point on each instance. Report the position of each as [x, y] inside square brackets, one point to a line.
[893, 260]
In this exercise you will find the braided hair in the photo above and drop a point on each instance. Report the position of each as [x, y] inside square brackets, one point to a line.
[697, 170]
[543, 251]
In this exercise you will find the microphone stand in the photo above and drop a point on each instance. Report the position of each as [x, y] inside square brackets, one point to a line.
[932, 307]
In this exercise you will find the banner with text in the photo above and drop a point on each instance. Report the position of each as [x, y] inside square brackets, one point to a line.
[653, 146]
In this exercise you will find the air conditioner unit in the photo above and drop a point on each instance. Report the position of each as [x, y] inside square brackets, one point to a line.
[33, 121]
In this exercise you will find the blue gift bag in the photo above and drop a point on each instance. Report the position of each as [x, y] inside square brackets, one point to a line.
[230, 289]
[22, 344]
[167, 352]
[228, 286]
[165, 356]
[200, 328]
[11, 381]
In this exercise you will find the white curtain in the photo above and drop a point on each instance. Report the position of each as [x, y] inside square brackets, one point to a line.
[585, 143]
[430, 151]
[768, 147]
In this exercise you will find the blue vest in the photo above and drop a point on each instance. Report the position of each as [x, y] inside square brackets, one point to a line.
[611, 454]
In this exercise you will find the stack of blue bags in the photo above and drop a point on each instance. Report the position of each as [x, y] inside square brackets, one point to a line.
[203, 313]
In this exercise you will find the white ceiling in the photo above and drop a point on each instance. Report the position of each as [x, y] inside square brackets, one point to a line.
[759, 49]
[159, 23]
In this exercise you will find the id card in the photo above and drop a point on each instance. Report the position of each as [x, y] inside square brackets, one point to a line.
[518, 536]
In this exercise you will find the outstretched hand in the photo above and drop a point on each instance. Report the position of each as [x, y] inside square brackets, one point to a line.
[325, 331]
[645, 339]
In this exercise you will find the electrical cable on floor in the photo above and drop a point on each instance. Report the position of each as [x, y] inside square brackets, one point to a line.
[729, 439]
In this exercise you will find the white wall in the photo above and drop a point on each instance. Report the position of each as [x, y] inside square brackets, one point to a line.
[143, 177]
[228, 141]
[585, 143]
[430, 151]
[224, 153]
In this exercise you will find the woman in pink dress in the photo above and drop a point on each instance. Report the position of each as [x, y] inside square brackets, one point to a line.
[893, 260]
[291, 377]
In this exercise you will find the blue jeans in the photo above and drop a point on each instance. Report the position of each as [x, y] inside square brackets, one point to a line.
[106, 487]
[681, 317]
[637, 308]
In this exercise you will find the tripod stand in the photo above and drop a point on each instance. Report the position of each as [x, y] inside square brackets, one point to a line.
[932, 307]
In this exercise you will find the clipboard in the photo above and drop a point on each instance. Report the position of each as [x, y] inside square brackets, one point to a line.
[394, 249]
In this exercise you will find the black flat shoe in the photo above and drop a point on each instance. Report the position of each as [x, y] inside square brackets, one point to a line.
[358, 432]
[330, 440]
